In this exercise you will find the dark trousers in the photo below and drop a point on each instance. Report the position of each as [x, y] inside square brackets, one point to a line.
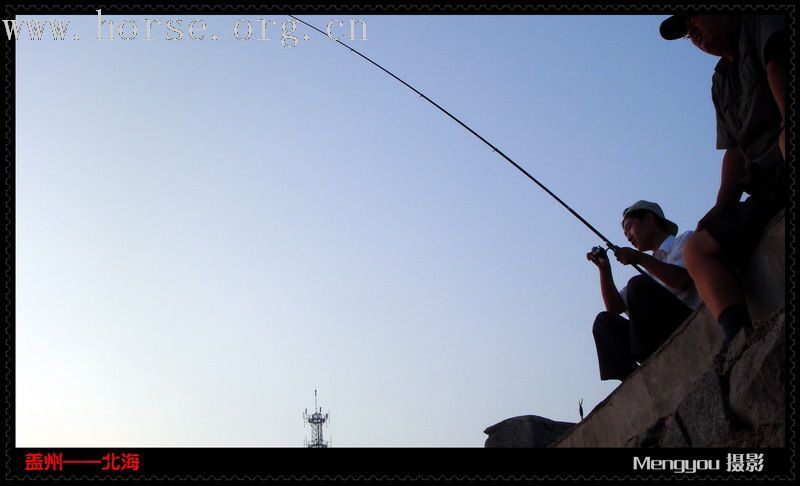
[654, 313]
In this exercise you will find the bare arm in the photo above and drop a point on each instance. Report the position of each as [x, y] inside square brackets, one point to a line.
[672, 275]
[733, 169]
[608, 289]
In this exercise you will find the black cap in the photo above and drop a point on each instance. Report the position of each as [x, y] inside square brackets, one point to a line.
[674, 27]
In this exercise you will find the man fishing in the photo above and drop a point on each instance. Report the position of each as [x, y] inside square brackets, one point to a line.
[654, 309]
[656, 303]
[748, 91]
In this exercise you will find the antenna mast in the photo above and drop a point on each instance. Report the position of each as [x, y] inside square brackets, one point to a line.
[316, 420]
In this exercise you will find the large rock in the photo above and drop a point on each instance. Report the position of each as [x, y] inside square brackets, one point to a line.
[651, 437]
[686, 394]
[704, 414]
[763, 276]
[526, 431]
[674, 433]
[757, 381]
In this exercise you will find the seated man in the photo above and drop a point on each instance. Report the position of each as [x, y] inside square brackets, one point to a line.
[749, 96]
[656, 303]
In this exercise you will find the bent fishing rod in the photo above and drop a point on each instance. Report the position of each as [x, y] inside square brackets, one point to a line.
[608, 242]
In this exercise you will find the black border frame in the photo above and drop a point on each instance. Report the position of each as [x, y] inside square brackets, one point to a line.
[383, 463]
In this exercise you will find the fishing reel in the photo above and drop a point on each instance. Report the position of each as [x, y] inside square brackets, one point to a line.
[599, 252]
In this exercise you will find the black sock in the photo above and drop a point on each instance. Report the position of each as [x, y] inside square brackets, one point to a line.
[732, 319]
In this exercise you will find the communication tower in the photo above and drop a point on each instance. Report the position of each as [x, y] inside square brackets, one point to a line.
[316, 420]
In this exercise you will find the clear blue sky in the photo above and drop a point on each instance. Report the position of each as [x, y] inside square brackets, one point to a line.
[207, 230]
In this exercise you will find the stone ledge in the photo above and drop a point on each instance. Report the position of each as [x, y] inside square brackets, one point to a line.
[645, 409]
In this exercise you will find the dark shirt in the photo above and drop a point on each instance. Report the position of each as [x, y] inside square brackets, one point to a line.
[747, 115]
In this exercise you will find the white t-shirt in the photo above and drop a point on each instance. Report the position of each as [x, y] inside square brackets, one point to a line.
[671, 251]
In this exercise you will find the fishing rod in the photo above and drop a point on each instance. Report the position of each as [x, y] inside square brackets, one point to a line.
[608, 242]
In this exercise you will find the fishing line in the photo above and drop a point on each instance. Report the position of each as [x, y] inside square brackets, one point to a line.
[608, 242]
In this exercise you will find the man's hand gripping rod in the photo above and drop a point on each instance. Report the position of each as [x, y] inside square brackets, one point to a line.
[597, 250]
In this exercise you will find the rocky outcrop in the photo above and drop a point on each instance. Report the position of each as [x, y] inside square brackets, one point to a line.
[737, 403]
[757, 378]
[686, 395]
[526, 431]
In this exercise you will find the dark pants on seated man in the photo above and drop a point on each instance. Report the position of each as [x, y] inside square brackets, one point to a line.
[654, 314]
